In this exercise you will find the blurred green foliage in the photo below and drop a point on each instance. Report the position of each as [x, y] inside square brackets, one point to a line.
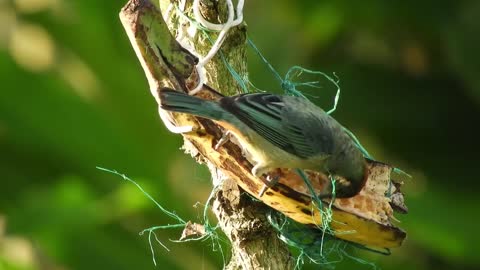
[73, 96]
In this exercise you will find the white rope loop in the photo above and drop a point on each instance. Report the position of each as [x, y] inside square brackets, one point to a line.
[212, 26]
[167, 120]
[223, 28]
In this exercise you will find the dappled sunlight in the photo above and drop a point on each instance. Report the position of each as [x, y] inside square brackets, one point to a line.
[32, 6]
[17, 250]
[20, 252]
[79, 76]
[32, 47]
[7, 22]
[73, 96]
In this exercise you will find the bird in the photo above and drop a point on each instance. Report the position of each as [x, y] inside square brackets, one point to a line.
[281, 131]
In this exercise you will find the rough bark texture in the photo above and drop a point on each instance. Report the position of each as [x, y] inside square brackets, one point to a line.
[364, 219]
[255, 245]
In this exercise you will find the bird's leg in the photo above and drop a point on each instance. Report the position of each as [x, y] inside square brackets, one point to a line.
[228, 136]
[225, 138]
[258, 170]
[270, 183]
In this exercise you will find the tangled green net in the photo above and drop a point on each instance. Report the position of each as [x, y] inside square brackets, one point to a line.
[316, 245]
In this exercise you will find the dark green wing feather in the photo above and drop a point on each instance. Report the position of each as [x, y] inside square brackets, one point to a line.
[292, 124]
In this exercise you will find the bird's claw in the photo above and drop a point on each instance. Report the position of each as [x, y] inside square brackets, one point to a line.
[269, 183]
[225, 138]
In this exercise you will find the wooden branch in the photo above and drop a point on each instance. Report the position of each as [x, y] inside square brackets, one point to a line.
[255, 245]
[363, 219]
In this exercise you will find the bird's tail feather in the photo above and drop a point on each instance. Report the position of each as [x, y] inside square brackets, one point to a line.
[176, 101]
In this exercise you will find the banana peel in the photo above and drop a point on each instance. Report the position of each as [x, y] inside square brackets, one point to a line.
[365, 219]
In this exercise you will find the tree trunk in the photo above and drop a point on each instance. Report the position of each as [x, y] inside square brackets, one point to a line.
[364, 219]
[255, 244]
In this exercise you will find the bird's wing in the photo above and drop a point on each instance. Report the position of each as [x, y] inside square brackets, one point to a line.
[287, 127]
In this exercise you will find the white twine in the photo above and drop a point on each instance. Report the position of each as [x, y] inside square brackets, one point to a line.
[167, 120]
[223, 28]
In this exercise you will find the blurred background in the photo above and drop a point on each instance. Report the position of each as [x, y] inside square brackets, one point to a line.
[73, 96]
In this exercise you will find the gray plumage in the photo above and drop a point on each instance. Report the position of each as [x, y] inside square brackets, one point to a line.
[281, 131]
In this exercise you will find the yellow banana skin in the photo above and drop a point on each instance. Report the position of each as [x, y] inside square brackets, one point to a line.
[166, 63]
[349, 226]
[357, 225]
[346, 226]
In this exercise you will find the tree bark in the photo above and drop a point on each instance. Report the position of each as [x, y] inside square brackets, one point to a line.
[364, 219]
[254, 243]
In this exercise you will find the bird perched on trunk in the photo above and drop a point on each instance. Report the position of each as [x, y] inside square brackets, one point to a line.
[280, 131]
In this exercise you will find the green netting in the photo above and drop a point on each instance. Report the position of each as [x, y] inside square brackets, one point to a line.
[210, 230]
[312, 244]
[290, 87]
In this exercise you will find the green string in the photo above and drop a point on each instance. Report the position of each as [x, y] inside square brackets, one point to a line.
[306, 243]
[319, 245]
[290, 88]
[326, 214]
[165, 211]
[210, 232]
[287, 83]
